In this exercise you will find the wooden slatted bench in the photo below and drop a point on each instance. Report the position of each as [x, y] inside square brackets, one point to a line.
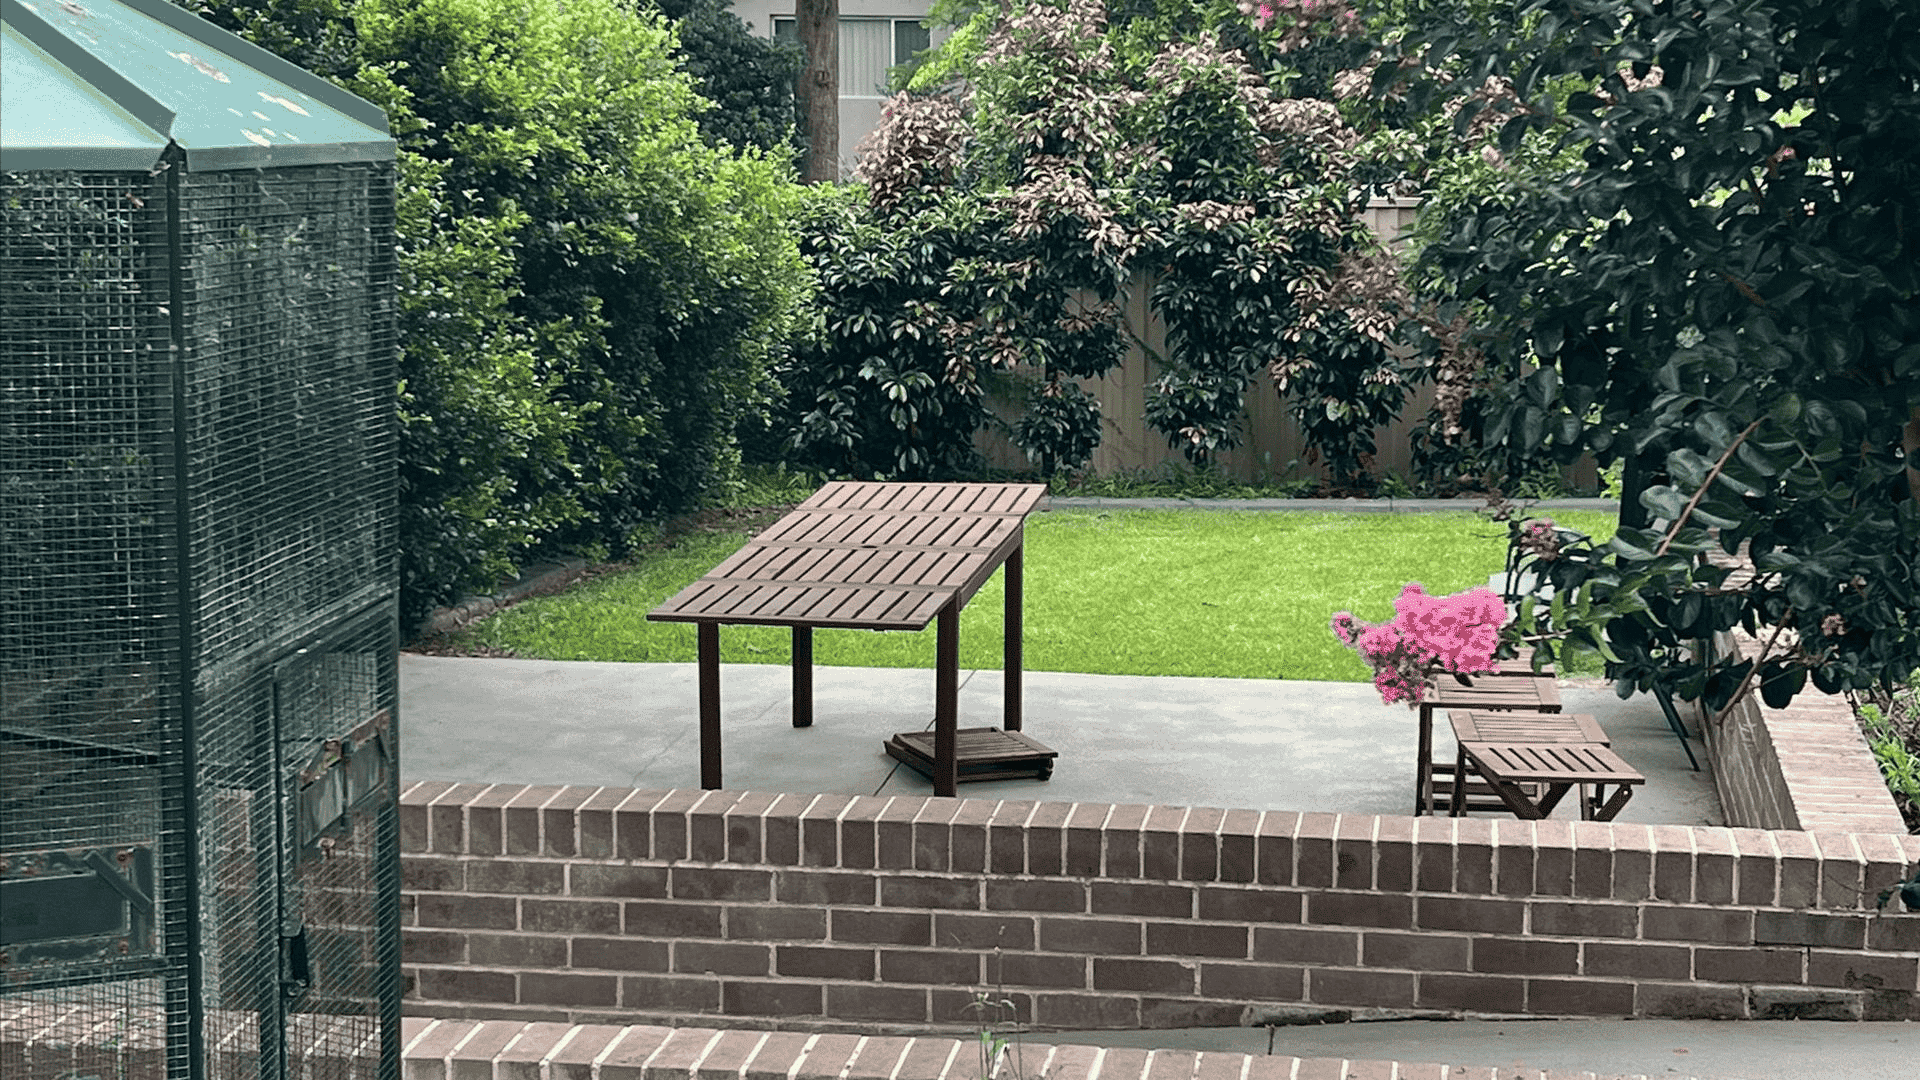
[867, 556]
[1557, 767]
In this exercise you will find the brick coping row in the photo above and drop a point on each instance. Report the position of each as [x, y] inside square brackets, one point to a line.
[1594, 860]
[512, 1050]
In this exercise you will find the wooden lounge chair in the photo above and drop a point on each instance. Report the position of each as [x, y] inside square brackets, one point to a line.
[1556, 767]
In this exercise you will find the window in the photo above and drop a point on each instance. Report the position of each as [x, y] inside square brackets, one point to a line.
[868, 47]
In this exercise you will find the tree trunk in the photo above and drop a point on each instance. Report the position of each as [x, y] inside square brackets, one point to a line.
[820, 87]
[1910, 442]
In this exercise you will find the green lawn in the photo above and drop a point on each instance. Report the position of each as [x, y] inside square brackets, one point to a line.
[1134, 592]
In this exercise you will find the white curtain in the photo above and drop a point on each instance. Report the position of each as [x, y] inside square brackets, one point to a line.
[866, 52]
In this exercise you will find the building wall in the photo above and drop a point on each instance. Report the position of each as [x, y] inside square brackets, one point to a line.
[859, 112]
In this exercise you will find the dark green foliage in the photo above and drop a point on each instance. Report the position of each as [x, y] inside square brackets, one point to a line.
[749, 79]
[1722, 282]
[592, 295]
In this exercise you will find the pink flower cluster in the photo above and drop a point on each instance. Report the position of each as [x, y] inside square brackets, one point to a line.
[1457, 633]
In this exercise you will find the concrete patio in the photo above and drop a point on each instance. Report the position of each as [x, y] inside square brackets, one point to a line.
[1246, 743]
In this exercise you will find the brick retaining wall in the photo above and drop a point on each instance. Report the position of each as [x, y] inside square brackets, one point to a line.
[600, 905]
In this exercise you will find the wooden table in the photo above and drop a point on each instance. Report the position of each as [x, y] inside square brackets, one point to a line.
[1505, 692]
[867, 556]
[1509, 727]
[1555, 767]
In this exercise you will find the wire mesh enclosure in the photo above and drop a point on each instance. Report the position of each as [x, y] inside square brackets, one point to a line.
[199, 872]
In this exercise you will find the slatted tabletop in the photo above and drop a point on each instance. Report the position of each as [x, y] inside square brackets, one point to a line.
[862, 555]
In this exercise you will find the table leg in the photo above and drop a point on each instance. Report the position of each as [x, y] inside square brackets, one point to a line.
[946, 701]
[709, 637]
[1016, 589]
[1459, 808]
[803, 676]
[1423, 768]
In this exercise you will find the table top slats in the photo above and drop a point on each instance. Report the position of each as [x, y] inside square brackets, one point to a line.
[863, 554]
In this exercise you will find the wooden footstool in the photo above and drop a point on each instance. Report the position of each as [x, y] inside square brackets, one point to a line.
[1559, 767]
[1510, 693]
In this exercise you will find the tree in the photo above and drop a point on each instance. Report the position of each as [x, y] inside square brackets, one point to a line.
[750, 80]
[1719, 287]
[820, 87]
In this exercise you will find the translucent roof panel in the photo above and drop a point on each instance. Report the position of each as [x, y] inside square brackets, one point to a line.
[104, 84]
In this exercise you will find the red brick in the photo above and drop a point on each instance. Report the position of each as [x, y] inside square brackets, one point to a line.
[516, 950]
[676, 1057]
[1082, 856]
[1632, 862]
[1579, 997]
[1393, 852]
[1360, 909]
[1433, 853]
[573, 1056]
[1712, 866]
[1142, 976]
[626, 1057]
[804, 887]
[828, 1057]
[1475, 993]
[1123, 1063]
[1756, 867]
[1704, 925]
[776, 1057]
[1172, 1065]
[1560, 919]
[1833, 930]
[633, 825]
[1862, 971]
[879, 1055]
[1592, 860]
[1094, 936]
[1160, 1014]
[780, 830]
[1637, 961]
[1842, 869]
[1188, 939]
[933, 835]
[485, 820]
[926, 966]
[771, 999]
[1036, 896]
[560, 821]
[1328, 948]
[1749, 965]
[618, 954]
[859, 832]
[1894, 935]
[1313, 851]
[973, 1007]
[715, 883]
[823, 962]
[930, 892]
[1046, 837]
[926, 1058]
[1273, 847]
[1673, 863]
[883, 927]
[1066, 1063]
[1552, 858]
[1160, 843]
[560, 988]
[639, 882]
[1472, 855]
[1251, 905]
[570, 916]
[1382, 989]
[1237, 832]
[1034, 969]
[1259, 982]
[671, 823]
[1353, 851]
[969, 835]
[432, 947]
[643, 918]
[446, 818]
[893, 834]
[952, 931]
[1513, 846]
[777, 923]
[744, 822]
[1799, 870]
[1420, 952]
[465, 985]
[521, 1058]
[1690, 1001]
[1122, 832]
[1471, 913]
[1215, 1065]
[463, 912]
[423, 873]
[1200, 844]
[719, 958]
[1140, 898]
[1525, 956]
[1007, 837]
[820, 830]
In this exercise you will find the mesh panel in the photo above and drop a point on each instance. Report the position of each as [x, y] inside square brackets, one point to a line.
[89, 672]
[278, 821]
